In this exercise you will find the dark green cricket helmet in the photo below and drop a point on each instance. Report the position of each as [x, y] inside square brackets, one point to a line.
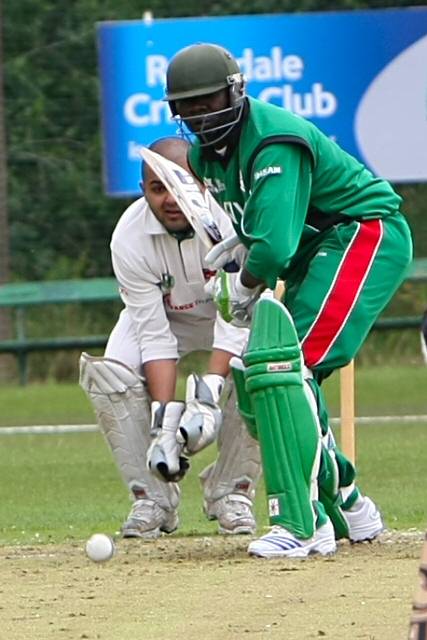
[201, 69]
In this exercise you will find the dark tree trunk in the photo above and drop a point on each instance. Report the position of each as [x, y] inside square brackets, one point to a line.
[5, 318]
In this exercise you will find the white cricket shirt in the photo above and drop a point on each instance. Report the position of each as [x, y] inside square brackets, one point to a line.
[162, 282]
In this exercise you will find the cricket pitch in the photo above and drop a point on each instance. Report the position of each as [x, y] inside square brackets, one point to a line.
[208, 588]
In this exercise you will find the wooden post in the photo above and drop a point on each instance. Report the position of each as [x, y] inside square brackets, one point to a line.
[279, 290]
[348, 440]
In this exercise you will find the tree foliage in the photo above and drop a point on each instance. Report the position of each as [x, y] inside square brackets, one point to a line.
[60, 220]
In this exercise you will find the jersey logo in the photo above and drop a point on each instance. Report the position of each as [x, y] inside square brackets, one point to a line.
[167, 283]
[214, 185]
[267, 171]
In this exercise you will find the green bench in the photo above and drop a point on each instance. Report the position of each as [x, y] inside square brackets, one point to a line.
[22, 295]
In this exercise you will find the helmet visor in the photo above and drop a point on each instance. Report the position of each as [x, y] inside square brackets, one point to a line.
[213, 127]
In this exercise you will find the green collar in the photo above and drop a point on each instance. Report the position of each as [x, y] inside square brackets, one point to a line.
[186, 234]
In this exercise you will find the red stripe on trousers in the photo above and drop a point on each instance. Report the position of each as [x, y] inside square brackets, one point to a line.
[343, 295]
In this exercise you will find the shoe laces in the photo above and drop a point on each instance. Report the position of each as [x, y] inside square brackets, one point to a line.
[240, 505]
[141, 508]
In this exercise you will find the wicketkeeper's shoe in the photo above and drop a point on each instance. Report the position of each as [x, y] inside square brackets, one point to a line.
[280, 542]
[233, 512]
[147, 520]
[364, 520]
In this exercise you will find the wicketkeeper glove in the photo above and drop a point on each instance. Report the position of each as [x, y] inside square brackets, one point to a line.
[164, 457]
[234, 301]
[202, 417]
[228, 251]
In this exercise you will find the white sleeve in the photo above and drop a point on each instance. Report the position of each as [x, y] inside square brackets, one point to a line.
[229, 338]
[144, 302]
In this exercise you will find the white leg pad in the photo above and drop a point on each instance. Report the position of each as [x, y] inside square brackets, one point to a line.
[238, 466]
[122, 407]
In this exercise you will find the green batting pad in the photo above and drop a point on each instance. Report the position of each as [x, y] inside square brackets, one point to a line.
[287, 430]
[243, 400]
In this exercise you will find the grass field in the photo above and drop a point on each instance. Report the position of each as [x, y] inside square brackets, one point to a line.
[379, 391]
[56, 488]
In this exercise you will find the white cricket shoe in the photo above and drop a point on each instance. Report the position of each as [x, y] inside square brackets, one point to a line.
[364, 520]
[280, 542]
[147, 520]
[233, 512]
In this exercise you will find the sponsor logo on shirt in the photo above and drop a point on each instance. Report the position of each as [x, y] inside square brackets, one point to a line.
[184, 307]
[267, 171]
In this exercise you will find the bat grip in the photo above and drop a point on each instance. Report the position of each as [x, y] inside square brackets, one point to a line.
[231, 267]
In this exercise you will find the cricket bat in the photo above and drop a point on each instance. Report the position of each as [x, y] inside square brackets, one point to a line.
[190, 199]
[188, 195]
[418, 621]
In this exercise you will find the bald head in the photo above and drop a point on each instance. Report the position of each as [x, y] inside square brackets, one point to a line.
[171, 148]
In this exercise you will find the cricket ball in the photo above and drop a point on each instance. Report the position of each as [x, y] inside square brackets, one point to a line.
[100, 547]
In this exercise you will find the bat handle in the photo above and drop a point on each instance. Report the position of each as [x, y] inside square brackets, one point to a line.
[231, 267]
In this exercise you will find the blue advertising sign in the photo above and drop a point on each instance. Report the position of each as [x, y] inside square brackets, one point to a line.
[360, 76]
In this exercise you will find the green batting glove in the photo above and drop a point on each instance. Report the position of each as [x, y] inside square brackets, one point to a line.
[233, 301]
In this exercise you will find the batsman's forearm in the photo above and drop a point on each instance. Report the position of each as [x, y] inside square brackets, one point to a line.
[161, 379]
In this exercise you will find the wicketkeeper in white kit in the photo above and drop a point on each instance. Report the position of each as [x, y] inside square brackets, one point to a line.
[160, 265]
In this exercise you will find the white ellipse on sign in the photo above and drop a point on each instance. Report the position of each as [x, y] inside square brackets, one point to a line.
[391, 120]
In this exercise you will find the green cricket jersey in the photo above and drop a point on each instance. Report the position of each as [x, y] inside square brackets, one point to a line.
[284, 183]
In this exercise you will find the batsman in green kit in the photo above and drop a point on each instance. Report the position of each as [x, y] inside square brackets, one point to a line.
[310, 214]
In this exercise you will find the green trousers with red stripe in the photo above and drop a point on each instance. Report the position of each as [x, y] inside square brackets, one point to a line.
[335, 292]
[339, 284]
